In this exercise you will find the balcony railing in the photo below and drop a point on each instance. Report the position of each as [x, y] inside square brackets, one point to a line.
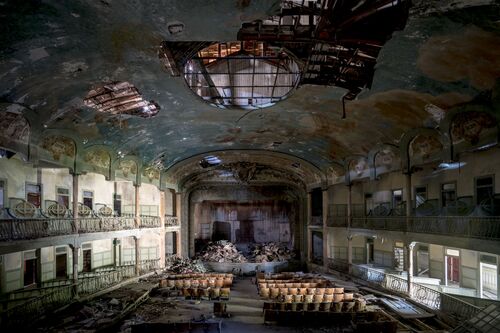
[14, 229]
[171, 221]
[31, 310]
[431, 298]
[482, 227]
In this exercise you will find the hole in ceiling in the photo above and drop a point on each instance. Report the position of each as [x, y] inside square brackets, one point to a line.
[247, 75]
[119, 98]
[209, 161]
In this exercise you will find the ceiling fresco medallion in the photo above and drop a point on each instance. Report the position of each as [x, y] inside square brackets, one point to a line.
[98, 158]
[424, 146]
[58, 146]
[470, 125]
[14, 127]
[151, 173]
[128, 167]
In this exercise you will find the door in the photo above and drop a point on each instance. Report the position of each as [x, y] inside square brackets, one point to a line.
[452, 270]
[87, 260]
[61, 266]
[369, 250]
[29, 272]
[398, 258]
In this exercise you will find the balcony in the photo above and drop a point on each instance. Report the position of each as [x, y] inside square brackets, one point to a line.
[171, 221]
[482, 227]
[423, 295]
[32, 228]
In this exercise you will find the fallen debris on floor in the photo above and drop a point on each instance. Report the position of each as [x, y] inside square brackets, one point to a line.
[270, 252]
[184, 266]
[221, 251]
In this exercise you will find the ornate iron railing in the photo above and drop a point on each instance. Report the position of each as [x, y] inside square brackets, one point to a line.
[429, 297]
[171, 221]
[149, 265]
[56, 297]
[31, 310]
[482, 227]
[147, 221]
[14, 229]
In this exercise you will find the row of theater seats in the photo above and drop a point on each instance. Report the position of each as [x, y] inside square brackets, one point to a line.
[355, 305]
[336, 293]
[198, 275]
[296, 285]
[206, 293]
[210, 282]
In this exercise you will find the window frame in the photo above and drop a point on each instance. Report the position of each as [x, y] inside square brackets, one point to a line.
[83, 197]
[26, 192]
[5, 201]
[492, 176]
[441, 192]
[67, 195]
[415, 194]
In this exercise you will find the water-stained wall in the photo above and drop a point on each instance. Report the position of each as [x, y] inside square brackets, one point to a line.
[246, 214]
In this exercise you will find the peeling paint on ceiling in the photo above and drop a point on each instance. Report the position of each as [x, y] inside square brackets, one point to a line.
[52, 53]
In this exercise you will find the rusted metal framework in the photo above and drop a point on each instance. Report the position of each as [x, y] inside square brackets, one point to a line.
[334, 43]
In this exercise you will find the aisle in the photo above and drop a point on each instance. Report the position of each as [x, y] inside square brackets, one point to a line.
[245, 307]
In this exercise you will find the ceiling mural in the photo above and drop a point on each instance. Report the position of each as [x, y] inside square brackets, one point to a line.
[98, 159]
[128, 168]
[15, 127]
[151, 174]
[472, 126]
[442, 57]
[423, 148]
[358, 168]
[386, 160]
[58, 146]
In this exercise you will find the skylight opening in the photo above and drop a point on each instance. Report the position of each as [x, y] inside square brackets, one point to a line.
[247, 75]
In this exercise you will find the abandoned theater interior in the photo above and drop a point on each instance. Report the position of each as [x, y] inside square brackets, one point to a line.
[250, 166]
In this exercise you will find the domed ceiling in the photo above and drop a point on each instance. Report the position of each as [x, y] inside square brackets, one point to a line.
[59, 61]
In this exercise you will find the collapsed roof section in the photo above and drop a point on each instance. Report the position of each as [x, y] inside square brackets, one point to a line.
[120, 98]
[334, 42]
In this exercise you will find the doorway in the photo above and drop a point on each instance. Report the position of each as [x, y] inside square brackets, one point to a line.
[452, 270]
[170, 243]
[423, 260]
[221, 231]
[61, 266]
[30, 272]
[369, 251]
[399, 256]
[317, 247]
[87, 260]
[489, 276]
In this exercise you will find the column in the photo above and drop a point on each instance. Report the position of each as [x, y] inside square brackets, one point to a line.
[75, 250]
[162, 226]
[178, 213]
[137, 208]
[115, 252]
[349, 222]
[309, 231]
[325, 227]
[408, 200]
[137, 256]
[75, 203]
[409, 267]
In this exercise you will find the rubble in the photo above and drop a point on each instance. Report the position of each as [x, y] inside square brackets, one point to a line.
[221, 251]
[270, 252]
[184, 266]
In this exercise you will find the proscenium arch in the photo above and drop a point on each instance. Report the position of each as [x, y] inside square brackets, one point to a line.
[314, 176]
